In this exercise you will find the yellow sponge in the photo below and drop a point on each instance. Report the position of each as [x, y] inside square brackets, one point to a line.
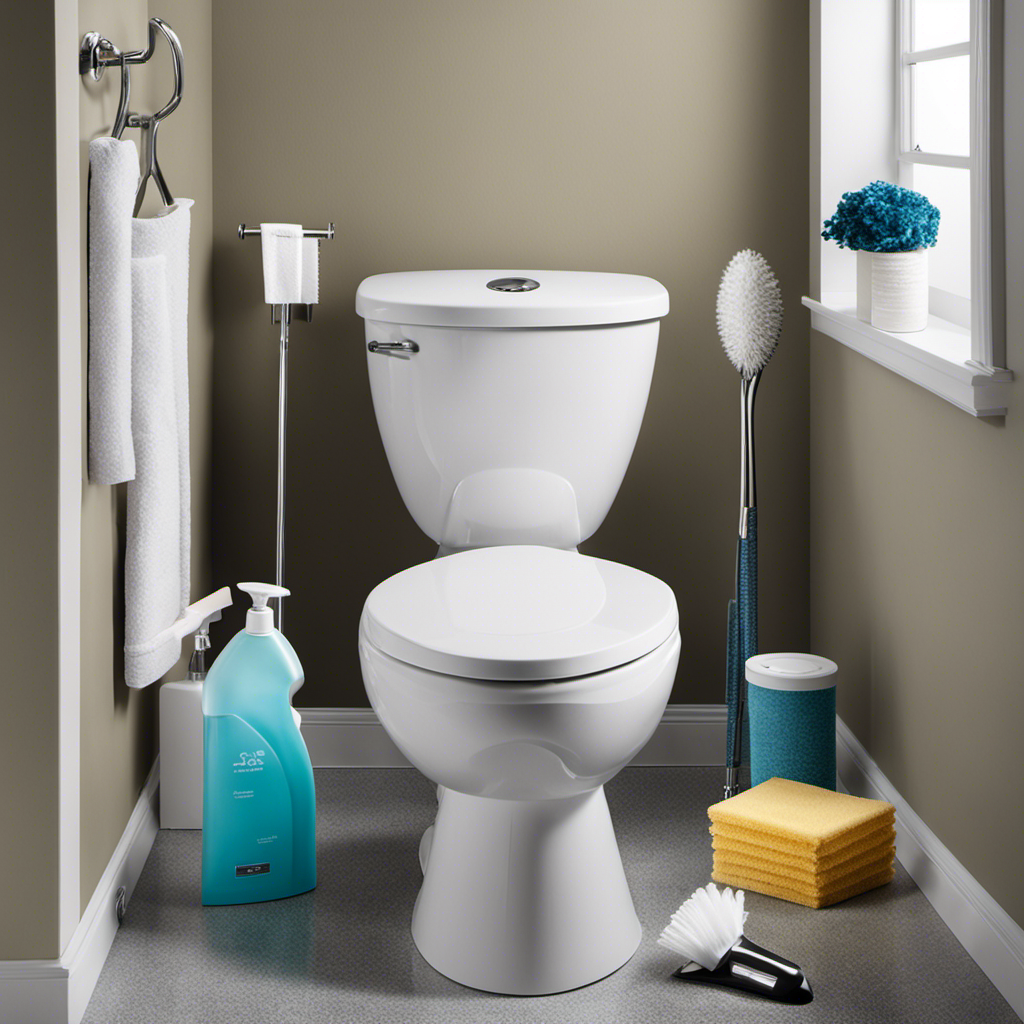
[738, 881]
[818, 879]
[811, 886]
[809, 819]
[878, 839]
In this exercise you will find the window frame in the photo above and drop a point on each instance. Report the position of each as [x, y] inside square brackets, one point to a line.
[959, 361]
[986, 348]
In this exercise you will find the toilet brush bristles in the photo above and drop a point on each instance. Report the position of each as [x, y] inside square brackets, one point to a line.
[706, 926]
[708, 931]
[749, 312]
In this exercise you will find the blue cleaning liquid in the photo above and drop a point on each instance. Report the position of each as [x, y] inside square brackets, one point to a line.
[259, 802]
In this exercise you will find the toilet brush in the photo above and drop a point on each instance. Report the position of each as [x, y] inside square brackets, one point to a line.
[749, 315]
[708, 930]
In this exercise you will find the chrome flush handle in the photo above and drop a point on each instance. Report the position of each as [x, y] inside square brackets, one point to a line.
[402, 349]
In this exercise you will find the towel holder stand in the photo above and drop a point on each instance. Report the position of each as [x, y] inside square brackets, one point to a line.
[284, 314]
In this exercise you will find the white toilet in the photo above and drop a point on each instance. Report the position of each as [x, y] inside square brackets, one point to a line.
[516, 673]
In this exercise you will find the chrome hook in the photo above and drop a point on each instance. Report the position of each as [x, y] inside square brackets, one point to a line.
[149, 123]
[96, 54]
[121, 117]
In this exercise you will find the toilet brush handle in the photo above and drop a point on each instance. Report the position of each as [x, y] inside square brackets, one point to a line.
[746, 628]
[732, 661]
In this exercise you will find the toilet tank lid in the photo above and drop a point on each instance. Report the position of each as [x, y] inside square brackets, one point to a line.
[544, 298]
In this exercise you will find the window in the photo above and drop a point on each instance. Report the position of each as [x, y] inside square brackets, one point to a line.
[933, 138]
[905, 94]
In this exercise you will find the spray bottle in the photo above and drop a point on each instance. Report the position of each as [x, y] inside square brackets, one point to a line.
[259, 804]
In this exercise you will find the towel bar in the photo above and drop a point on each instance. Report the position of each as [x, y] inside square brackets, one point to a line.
[327, 232]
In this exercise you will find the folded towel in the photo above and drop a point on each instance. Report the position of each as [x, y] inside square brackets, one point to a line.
[157, 556]
[291, 264]
[818, 884]
[114, 175]
[817, 820]
[797, 856]
[793, 896]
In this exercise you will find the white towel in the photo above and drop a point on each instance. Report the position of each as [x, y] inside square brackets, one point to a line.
[114, 175]
[157, 576]
[291, 264]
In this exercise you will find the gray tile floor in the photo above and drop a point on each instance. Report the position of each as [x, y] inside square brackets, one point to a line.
[343, 953]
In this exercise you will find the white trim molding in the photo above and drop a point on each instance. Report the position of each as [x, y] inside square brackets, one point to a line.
[348, 738]
[58, 991]
[993, 939]
[69, 460]
[688, 734]
[988, 299]
[937, 358]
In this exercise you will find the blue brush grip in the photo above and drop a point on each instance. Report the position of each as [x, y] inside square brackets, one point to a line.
[732, 677]
[746, 586]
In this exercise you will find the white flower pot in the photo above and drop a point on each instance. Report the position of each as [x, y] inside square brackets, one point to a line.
[899, 291]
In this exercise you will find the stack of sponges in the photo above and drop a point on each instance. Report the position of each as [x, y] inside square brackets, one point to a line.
[802, 843]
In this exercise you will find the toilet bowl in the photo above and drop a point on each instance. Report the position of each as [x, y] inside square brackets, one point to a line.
[516, 673]
[521, 679]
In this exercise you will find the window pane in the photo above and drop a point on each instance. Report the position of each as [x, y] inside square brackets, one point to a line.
[940, 23]
[942, 106]
[948, 188]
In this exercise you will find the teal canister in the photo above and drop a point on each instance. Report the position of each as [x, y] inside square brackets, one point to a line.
[792, 703]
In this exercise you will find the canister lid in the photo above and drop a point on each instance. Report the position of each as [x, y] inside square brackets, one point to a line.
[791, 671]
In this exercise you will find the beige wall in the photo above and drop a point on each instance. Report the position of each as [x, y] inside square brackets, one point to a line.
[28, 508]
[653, 138]
[118, 726]
[917, 582]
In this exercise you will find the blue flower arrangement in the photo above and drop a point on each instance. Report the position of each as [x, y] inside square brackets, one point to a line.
[883, 217]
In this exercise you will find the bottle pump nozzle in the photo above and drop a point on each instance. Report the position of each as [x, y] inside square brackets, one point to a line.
[197, 663]
[260, 619]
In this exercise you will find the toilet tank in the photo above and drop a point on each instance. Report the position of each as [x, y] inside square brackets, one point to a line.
[509, 403]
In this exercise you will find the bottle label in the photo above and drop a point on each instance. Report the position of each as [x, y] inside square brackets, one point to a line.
[247, 814]
[244, 870]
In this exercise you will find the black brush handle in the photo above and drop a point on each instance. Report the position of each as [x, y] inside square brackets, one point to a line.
[752, 968]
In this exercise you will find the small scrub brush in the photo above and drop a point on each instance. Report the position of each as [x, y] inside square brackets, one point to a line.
[708, 930]
[749, 323]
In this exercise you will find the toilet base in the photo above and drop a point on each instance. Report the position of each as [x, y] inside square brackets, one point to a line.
[524, 897]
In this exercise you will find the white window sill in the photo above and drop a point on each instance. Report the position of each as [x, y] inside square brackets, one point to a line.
[938, 358]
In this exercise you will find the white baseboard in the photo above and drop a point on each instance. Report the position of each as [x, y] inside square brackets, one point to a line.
[689, 734]
[58, 991]
[994, 940]
[348, 738]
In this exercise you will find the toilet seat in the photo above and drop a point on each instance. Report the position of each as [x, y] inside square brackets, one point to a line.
[519, 613]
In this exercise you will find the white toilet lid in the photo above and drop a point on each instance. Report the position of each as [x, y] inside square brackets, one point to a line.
[520, 612]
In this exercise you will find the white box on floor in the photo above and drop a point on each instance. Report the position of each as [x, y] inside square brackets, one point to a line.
[181, 754]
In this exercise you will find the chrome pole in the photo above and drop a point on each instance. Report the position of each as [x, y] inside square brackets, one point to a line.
[302, 312]
[282, 447]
